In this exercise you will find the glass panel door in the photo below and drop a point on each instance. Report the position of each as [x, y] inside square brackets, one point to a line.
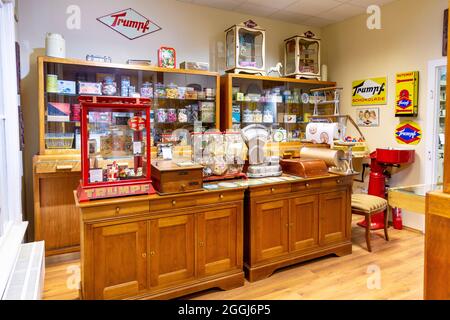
[250, 49]
[442, 98]
[290, 56]
[231, 49]
[309, 56]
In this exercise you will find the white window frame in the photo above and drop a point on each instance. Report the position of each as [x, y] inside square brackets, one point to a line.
[12, 227]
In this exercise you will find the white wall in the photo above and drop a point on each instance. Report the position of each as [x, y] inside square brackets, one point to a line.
[411, 35]
[196, 32]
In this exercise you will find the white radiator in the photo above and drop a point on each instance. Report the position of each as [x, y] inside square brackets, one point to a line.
[27, 278]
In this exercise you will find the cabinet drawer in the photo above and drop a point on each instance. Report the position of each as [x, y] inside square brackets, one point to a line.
[116, 210]
[335, 182]
[57, 166]
[172, 203]
[306, 185]
[272, 190]
[220, 197]
[196, 199]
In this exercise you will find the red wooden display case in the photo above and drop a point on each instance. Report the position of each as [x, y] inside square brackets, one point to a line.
[115, 147]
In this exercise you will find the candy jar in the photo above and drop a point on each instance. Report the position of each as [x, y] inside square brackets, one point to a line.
[257, 116]
[160, 91]
[172, 91]
[161, 115]
[268, 116]
[182, 116]
[109, 87]
[147, 90]
[172, 115]
[248, 116]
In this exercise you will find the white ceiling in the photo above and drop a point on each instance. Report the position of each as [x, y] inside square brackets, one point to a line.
[318, 13]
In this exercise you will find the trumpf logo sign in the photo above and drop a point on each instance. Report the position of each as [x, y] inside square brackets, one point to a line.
[129, 23]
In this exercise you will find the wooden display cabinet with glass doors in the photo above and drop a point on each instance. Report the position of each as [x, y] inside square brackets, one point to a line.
[283, 105]
[183, 100]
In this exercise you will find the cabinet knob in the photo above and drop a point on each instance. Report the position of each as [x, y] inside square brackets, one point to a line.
[144, 255]
[339, 181]
[273, 189]
[308, 185]
[152, 253]
[174, 203]
[221, 196]
[202, 244]
[117, 210]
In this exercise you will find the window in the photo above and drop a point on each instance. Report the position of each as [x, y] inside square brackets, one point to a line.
[10, 155]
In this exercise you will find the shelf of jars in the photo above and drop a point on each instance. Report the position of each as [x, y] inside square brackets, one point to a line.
[180, 98]
[284, 106]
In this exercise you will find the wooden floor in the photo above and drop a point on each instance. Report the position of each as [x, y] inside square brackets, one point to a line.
[399, 261]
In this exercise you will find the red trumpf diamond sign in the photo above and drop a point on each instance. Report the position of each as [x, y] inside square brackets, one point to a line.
[129, 23]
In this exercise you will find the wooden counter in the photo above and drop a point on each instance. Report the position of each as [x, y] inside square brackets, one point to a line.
[288, 223]
[159, 247]
[162, 247]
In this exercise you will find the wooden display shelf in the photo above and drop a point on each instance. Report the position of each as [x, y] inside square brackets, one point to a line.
[226, 88]
[113, 68]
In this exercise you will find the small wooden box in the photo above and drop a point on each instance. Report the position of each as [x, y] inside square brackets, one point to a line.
[169, 178]
[305, 168]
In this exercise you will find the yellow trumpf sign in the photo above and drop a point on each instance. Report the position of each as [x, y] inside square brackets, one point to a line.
[369, 92]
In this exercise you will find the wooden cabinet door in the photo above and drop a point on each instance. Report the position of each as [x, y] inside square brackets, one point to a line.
[271, 224]
[333, 217]
[219, 235]
[120, 260]
[304, 223]
[172, 252]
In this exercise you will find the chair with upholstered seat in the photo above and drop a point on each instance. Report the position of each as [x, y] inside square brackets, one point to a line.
[367, 205]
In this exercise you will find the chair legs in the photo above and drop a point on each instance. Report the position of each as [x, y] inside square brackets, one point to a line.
[386, 222]
[369, 247]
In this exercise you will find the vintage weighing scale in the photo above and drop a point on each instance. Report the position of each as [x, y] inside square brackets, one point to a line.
[261, 165]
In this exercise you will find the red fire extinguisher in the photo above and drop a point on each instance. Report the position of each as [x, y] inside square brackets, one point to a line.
[397, 218]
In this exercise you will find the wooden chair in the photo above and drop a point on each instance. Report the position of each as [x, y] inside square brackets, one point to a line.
[367, 205]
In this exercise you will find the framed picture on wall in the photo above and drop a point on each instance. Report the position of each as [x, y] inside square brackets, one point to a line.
[445, 34]
[368, 117]
[167, 58]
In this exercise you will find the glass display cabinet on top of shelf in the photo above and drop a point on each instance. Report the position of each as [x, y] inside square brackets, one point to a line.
[284, 106]
[181, 99]
[245, 48]
[302, 57]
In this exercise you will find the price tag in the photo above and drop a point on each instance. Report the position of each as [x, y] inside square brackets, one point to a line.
[137, 148]
[167, 153]
[96, 175]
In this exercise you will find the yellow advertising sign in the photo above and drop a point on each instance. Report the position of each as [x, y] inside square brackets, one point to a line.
[369, 92]
[407, 90]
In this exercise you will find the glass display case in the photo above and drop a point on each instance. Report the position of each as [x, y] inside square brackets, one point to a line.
[115, 153]
[245, 48]
[181, 99]
[302, 57]
[283, 105]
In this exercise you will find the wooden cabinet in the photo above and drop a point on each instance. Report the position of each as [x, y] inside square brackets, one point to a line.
[333, 217]
[120, 260]
[155, 254]
[219, 243]
[271, 229]
[171, 250]
[56, 218]
[297, 224]
[303, 222]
